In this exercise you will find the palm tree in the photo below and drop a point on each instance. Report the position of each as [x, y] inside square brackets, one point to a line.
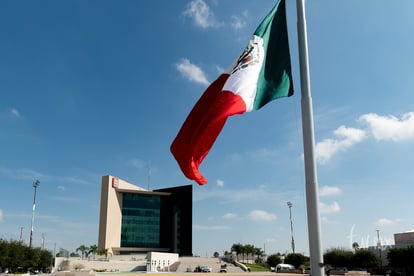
[259, 253]
[249, 250]
[238, 248]
[103, 251]
[83, 249]
[93, 249]
[355, 246]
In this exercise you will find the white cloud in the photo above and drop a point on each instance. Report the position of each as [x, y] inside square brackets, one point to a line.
[390, 127]
[14, 113]
[219, 69]
[191, 72]
[329, 209]
[230, 216]
[200, 12]
[220, 183]
[347, 137]
[25, 174]
[237, 22]
[137, 163]
[329, 191]
[384, 222]
[1, 215]
[255, 194]
[210, 227]
[29, 174]
[69, 179]
[261, 215]
[61, 188]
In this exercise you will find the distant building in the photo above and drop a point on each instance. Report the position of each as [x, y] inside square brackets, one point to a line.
[134, 220]
[404, 239]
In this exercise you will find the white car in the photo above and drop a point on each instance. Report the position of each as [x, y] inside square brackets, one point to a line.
[281, 267]
[205, 268]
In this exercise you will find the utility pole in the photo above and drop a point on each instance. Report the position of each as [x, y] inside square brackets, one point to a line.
[43, 241]
[21, 233]
[289, 204]
[35, 185]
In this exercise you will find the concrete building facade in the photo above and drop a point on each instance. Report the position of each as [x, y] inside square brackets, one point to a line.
[135, 220]
[404, 239]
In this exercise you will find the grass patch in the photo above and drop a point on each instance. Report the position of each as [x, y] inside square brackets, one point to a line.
[257, 267]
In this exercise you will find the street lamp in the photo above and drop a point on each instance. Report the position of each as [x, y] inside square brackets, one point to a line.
[379, 246]
[35, 185]
[289, 204]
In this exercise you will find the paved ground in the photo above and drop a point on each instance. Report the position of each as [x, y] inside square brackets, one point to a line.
[188, 264]
[215, 274]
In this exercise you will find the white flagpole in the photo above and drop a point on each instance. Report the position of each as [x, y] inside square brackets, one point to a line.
[312, 194]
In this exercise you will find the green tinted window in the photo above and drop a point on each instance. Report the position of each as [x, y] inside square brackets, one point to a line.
[140, 220]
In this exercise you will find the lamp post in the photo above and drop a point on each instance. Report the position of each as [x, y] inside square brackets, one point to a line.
[379, 246]
[35, 185]
[289, 204]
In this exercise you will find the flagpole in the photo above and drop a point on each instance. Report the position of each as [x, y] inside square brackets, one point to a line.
[312, 197]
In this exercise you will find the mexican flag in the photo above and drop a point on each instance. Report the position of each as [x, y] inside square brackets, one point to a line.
[260, 74]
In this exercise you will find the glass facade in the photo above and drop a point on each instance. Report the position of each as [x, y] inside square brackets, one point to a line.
[140, 220]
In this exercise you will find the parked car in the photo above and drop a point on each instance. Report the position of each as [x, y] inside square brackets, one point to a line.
[281, 267]
[203, 268]
[223, 268]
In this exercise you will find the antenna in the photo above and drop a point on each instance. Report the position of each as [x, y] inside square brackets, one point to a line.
[149, 175]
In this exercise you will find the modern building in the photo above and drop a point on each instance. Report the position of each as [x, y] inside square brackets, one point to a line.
[135, 220]
[404, 239]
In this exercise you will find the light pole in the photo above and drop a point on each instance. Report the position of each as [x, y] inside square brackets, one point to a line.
[35, 185]
[21, 233]
[379, 246]
[289, 204]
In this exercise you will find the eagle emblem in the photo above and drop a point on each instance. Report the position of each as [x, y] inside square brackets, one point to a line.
[249, 56]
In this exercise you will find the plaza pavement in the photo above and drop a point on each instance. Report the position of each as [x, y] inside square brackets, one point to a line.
[188, 264]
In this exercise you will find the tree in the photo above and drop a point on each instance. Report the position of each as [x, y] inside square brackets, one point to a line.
[4, 253]
[249, 250]
[259, 254]
[338, 257]
[296, 259]
[103, 251]
[274, 259]
[238, 248]
[245, 250]
[402, 258]
[93, 249]
[355, 246]
[46, 259]
[365, 259]
[216, 254]
[18, 257]
[83, 249]
[73, 254]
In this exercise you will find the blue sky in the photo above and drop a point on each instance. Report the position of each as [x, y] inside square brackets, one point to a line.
[92, 88]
